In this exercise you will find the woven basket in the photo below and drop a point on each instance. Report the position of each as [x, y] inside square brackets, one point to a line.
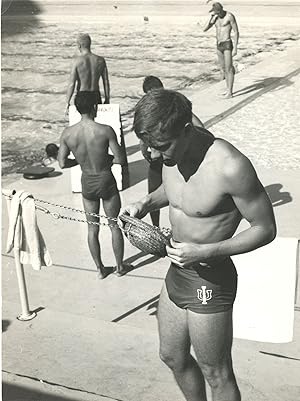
[147, 238]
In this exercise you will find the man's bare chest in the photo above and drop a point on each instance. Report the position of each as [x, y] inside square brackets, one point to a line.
[202, 195]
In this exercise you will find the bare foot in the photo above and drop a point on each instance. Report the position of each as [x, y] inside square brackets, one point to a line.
[123, 269]
[102, 272]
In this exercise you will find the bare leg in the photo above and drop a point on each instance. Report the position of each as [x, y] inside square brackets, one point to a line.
[211, 337]
[229, 72]
[175, 349]
[221, 64]
[154, 181]
[112, 208]
[93, 235]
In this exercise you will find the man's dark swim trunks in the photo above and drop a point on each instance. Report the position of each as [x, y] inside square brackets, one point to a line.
[96, 95]
[98, 186]
[201, 288]
[226, 45]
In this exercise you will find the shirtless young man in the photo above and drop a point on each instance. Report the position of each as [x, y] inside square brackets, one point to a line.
[86, 72]
[154, 158]
[225, 22]
[89, 142]
[209, 186]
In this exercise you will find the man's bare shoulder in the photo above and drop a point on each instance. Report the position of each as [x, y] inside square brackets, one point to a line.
[229, 159]
[69, 131]
[230, 16]
[104, 129]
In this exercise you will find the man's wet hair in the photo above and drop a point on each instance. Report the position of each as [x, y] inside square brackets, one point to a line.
[85, 102]
[161, 114]
[152, 82]
[84, 40]
[52, 150]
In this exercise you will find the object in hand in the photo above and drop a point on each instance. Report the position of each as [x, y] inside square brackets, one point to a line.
[145, 237]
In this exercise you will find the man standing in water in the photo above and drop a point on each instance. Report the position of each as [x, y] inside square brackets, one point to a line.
[209, 186]
[89, 143]
[225, 22]
[86, 72]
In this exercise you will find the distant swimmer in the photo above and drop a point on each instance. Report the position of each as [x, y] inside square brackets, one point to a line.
[225, 23]
[86, 72]
[89, 142]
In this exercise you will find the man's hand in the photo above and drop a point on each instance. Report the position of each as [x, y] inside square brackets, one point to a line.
[234, 52]
[184, 254]
[67, 111]
[137, 209]
[213, 18]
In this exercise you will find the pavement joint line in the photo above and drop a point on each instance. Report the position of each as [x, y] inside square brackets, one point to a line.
[131, 311]
[60, 385]
[91, 271]
[214, 120]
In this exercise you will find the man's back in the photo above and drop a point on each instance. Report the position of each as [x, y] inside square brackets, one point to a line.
[89, 69]
[89, 143]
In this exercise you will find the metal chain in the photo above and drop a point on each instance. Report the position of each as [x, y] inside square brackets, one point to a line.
[77, 210]
[165, 231]
[60, 216]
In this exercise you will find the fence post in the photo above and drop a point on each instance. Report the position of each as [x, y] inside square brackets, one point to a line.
[26, 313]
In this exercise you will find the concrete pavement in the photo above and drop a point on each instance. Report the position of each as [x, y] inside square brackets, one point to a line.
[97, 340]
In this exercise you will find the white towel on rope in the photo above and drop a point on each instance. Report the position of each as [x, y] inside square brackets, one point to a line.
[24, 233]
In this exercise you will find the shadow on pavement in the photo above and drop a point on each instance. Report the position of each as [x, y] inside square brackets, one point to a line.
[131, 150]
[277, 83]
[138, 171]
[277, 197]
[11, 392]
[133, 258]
[5, 324]
[153, 306]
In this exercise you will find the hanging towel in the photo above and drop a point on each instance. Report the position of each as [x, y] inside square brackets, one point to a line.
[24, 233]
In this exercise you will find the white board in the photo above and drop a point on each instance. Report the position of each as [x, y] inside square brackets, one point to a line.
[264, 305]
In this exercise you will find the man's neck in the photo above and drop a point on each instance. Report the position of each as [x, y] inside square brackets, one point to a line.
[87, 117]
[85, 51]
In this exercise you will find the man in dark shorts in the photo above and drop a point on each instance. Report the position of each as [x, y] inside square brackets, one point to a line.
[225, 23]
[209, 187]
[89, 142]
[86, 72]
[154, 158]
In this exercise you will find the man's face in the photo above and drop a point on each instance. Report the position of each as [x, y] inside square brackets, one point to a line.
[169, 149]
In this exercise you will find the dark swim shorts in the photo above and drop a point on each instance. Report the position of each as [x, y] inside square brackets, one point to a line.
[226, 45]
[96, 95]
[98, 186]
[203, 288]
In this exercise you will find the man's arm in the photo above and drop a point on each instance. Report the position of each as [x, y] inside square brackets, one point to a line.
[253, 204]
[117, 150]
[106, 84]
[210, 22]
[71, 86]
[63, 153]
[235, 35]
[151, 202]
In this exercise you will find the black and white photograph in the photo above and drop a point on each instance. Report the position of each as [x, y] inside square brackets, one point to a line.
[150, 159]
